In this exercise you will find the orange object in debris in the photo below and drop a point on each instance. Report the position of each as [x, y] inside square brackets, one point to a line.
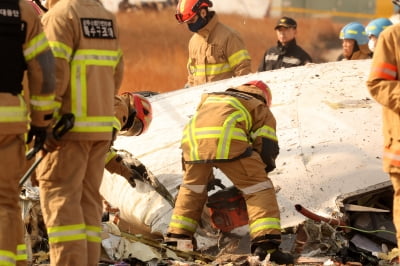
[227, 209]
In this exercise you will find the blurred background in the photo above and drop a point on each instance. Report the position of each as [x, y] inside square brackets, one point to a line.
[155, 45]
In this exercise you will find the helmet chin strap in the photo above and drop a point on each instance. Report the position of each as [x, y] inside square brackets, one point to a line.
[39, 3]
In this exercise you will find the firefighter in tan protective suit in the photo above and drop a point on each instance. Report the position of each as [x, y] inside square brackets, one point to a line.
[384, 86]
[84, 39]
[216, 51]
[24, 47]
[134, 113]
[235, 132]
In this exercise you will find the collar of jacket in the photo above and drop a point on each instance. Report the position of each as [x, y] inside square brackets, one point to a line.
[207, 29]
[285, 48]
[363, 52]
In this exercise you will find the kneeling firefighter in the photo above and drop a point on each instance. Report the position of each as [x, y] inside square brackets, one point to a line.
[134, 115]
[234, 131]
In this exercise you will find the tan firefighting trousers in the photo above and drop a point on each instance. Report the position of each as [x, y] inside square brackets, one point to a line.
[12, 246]
[69, 180]
[395, 178]
[247, 174]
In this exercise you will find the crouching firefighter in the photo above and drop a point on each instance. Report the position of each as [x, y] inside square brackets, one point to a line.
[134, 115]
[234, 131]
[23, 109]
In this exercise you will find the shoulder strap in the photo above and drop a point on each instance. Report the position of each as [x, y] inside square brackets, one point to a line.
[12, 38]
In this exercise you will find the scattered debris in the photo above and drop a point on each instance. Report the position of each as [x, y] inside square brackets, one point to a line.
[363, 235]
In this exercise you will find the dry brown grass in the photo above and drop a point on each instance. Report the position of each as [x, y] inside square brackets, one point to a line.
[155, 45]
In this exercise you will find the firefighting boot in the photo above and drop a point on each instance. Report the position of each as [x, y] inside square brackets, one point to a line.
[180, 241]
[262, 249]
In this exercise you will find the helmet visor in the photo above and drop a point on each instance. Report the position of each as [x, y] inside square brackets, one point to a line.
[182, 18]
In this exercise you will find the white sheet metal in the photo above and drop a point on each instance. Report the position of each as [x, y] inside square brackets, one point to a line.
[328, 126]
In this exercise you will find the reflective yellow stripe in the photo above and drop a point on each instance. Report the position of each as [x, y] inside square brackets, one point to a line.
[190, 132]
[265, 223]
[93, 124]
[79, 63]
[21, 253]
[14, 113]
[35, 46]
[224, 143]
[238, 57]
[183, 222]
[97, 57]
[7, 258]
[110, 154]
[225, 134]
[264, 131]
[209, 70]
[66, 233]
[60, 50]
[215, 132]
[215, 69]
[42, 103]
[117, 124]
[235, 103]
[93, 233]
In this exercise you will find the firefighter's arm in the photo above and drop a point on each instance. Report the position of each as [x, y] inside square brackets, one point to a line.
[269, 153]
[265, 141]
[238, 56]
[383, 81]
[117, 163]
[40, 69]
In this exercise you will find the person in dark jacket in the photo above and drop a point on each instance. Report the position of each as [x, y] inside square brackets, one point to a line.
[287, 53]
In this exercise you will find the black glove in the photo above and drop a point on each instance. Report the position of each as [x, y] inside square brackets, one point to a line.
[270, 166]
[40, 136]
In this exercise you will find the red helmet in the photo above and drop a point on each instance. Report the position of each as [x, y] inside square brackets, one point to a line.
[144, 114]
[264, 88]
[187, 9]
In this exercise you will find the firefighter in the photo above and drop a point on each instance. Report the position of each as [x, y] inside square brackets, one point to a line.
[374, 28]
[354, 42]
[384, 86]
[84, 39]
[134, 113]
[216, 51]
[235, 132]
[24, 48]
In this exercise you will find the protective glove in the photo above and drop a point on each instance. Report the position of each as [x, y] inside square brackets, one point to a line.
[270, 165]
[39, 133]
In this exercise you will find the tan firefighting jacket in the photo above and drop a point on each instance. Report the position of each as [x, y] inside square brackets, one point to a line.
[89, 65]
[363, 53]
[230, 125]
[14, 116]
[216, 52]
[384, 86]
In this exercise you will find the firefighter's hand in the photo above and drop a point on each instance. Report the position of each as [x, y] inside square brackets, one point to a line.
[39, 134]
[270, 166]
[51, 143]
[140, 169]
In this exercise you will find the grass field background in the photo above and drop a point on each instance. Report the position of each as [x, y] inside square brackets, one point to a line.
[155, 45]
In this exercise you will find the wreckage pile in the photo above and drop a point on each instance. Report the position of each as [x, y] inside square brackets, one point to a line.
[362, 235]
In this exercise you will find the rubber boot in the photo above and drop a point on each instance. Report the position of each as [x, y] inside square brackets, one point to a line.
[262, 249]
